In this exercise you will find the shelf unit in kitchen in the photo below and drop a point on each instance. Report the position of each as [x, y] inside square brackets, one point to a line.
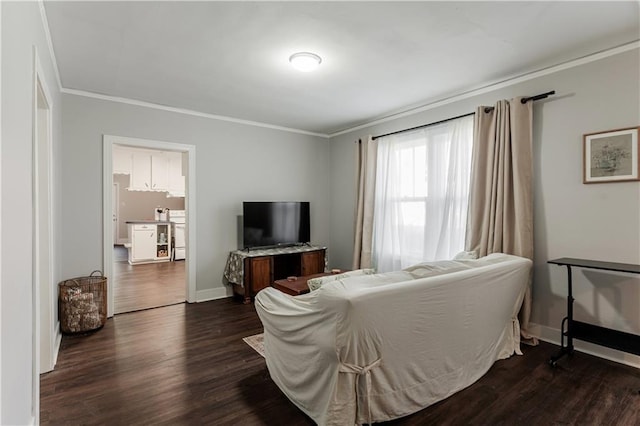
[163, 246]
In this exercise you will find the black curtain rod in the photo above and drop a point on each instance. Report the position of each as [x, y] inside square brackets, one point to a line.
[529, 98]
[487, 109]
[424, 125]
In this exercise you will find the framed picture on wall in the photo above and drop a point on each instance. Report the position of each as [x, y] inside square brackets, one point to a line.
[611, 156]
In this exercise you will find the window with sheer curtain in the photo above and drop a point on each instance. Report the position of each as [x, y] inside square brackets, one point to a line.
[421, 194]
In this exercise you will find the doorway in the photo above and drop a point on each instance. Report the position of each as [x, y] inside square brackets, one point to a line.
[136, 284]
[146, 272]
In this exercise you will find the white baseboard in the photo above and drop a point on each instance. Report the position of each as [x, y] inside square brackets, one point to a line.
[213, 294]
[552, 335]
[56, 345]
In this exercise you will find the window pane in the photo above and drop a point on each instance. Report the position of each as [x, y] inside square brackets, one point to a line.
[413, 172]
[412, 213]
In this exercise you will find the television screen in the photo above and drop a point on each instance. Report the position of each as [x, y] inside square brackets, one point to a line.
[275, 223]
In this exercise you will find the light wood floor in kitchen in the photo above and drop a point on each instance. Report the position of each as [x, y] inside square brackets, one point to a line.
[150, 285]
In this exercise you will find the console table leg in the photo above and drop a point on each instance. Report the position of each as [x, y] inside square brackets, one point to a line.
[570, 299]
[568, 349]
[564, 350]
[553, 361]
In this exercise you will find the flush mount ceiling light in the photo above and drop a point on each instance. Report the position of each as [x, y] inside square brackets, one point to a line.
[305, 61]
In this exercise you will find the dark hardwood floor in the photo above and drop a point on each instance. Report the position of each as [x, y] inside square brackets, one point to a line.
[187, 365]
[147, 285]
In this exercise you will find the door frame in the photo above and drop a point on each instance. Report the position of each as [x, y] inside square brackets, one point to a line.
[116, 202]
[189, 201]
[46, 338]
[1, 220]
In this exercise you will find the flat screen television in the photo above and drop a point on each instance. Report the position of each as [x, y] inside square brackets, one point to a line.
[271, 223]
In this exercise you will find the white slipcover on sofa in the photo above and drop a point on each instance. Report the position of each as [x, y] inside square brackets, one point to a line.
[370, 348]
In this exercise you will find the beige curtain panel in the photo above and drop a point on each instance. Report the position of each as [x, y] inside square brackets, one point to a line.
[500, 216]
[366, 158]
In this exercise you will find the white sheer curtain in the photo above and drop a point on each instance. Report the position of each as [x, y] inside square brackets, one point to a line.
[421, 195]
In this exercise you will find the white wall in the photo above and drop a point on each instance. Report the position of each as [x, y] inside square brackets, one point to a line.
[234, 162]
[598, 221]
[22, 28]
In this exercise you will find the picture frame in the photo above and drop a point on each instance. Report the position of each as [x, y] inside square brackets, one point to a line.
[611, 156]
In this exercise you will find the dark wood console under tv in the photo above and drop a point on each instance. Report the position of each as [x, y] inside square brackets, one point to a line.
[251, 271]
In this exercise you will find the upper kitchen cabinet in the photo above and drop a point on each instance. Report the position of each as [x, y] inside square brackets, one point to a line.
[121, 161]
[159, 172]
[175, 175]
[149, 172]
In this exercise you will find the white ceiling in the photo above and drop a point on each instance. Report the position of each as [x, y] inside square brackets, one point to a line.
[379, 58]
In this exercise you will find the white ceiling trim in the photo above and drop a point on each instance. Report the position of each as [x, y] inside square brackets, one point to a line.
[47, 34]
[498, 85]
[187, 112]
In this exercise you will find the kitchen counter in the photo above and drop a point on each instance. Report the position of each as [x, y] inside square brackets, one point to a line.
[148, 222]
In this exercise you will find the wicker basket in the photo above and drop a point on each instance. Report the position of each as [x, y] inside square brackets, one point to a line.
[82, 303]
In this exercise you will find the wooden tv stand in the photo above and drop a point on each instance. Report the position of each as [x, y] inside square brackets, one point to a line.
[251, 271]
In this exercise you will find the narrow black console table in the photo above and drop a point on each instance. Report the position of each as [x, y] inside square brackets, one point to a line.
[602, 336]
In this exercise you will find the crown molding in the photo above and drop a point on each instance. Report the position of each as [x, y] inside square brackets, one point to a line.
[496, 85]
[47, 34]
[188, 112]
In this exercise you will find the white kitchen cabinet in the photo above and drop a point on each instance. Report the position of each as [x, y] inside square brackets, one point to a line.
[159, 172]
[143, 243]
[140, 172]
[150, 242]
[175, 175]
[121, 161]
[149, 172]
